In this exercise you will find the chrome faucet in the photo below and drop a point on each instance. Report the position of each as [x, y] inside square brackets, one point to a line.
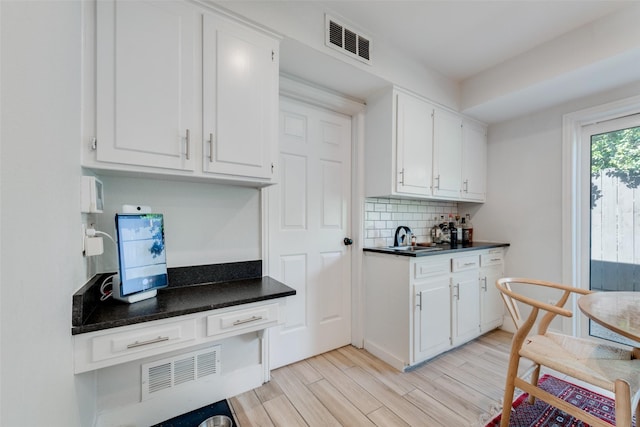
[405, 236]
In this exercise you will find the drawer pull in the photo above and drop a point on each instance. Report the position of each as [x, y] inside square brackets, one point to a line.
[496, 259]
[151, 341]
[249, 320]
[468, 264]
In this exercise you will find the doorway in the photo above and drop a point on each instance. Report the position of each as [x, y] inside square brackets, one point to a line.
[614, 261]
[309, 217]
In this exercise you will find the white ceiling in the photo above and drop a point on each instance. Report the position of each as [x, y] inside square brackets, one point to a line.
[463, 38]
[490, 59]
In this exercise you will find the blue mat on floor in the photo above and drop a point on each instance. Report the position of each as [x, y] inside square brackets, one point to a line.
[193, 418]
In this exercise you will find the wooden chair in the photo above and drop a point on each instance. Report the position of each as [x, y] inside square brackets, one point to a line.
[611, 368]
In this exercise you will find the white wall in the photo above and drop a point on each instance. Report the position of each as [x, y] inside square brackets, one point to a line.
[524, 182]
[304, 22]
[41, 254]
[204, 223]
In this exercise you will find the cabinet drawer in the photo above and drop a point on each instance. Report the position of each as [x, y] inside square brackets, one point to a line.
[431, 268]
[146, 339]
[492, 258]
[243, 320]
[465, 263]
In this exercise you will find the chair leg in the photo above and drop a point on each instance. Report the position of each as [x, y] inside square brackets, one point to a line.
[623, 404]
[509, 390]
[535, 375]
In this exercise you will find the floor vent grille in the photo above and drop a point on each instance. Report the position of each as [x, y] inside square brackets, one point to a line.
[347, 40]
[163, 375]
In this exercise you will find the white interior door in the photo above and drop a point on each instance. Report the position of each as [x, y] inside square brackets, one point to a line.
[309, 217]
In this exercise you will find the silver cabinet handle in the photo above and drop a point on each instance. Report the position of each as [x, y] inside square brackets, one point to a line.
[419, 295]
[437, 178]
[187, 154]
[457, 294]
[468, 264]
[466, 185]
[402, 180]
[210, 147]
[151, 341]
[251, 319]
[484, 287]
[496, 259]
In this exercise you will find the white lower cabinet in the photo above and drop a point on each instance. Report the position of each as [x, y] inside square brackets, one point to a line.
[430, 336]
[465, 297]
[491, 305]
[419, 307]
[109, 347]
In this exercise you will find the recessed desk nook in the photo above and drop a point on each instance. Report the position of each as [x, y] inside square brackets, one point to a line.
[201, 307]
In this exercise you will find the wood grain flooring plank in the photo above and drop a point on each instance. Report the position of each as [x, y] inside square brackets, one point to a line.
[432, 407]
[384, 417]
[306, 372]
[283, 413]
[466, 395]
[311, 409]
[360, 397]
[341, 408]
[376, 367]
[397, 404]
[268, 391]
[249, 410]
[343, 386]
[339, 360]
[447, 397]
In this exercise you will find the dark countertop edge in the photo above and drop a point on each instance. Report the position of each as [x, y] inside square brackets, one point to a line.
[476, 246]
[173, 302]
[75, 330]
[86, 301]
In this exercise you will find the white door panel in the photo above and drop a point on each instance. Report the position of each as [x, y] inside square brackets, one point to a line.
[308, 220]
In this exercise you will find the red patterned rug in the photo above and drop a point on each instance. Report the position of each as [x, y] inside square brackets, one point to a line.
[542, 414]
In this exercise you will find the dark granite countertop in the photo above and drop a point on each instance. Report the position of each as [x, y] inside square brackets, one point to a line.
[223, 287]
[441, 249]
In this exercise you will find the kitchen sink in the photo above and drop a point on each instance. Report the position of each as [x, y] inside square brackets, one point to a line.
[415, 248]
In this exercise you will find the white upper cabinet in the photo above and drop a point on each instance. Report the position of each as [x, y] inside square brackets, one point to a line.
[399, 145]
[183, 90]
[414, 129]
[474, 162]
[418, 150]
[447, 154]
[240, 98]
[145, 83]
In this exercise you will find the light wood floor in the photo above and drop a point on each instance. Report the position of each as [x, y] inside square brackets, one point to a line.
[350, 387]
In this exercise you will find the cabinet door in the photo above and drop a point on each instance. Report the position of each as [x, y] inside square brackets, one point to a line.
[465, 294]
[491, 305]
[414, 127]
[240, 99]
[447, 154]
[474, 162]
[432, 318]
[145, 83]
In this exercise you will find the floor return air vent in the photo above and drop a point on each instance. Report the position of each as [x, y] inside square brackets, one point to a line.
[163, 375]
[346, 40]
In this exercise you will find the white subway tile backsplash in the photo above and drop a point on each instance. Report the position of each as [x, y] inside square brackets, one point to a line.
[383, 216]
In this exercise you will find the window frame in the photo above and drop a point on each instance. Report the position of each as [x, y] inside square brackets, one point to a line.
[576, 196]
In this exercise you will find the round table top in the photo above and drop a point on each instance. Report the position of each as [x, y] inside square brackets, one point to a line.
[616, 311]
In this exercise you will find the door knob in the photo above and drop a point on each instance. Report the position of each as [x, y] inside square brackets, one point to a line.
[347, 241]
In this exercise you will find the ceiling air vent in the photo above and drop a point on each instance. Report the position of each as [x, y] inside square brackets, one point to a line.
[347, 40]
